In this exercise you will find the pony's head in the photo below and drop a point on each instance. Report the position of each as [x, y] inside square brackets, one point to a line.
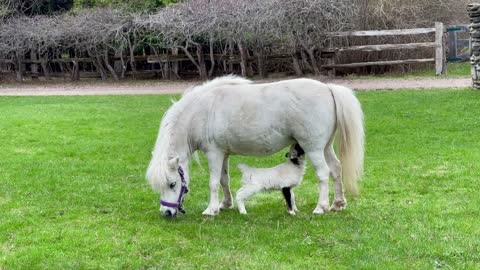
[170, 179]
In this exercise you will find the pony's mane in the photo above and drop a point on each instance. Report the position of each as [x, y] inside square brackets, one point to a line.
[160, 155]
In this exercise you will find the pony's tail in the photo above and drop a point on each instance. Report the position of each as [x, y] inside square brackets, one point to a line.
[350, 134]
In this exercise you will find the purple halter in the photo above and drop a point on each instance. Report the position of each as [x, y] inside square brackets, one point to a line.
[183, 191]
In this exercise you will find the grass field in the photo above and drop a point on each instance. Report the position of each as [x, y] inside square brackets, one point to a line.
[73, 194]
[454, 70]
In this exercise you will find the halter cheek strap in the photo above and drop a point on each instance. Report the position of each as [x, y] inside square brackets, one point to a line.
[183, 191]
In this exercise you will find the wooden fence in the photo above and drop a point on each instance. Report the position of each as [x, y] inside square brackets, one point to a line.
[164, 65]
[439, 45]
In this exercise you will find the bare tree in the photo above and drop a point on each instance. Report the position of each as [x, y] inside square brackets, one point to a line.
[214, 35]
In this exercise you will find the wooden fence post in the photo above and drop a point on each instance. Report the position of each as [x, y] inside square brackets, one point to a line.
[440, 52]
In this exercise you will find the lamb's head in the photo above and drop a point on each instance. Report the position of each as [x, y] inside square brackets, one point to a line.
[296, 154]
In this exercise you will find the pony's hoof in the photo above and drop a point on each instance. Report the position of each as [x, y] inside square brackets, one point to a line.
[321, 208]
[292, 212]
[243, 212]
[338, 205]
[210, 212]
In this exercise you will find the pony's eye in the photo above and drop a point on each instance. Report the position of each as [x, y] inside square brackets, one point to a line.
[172, 185]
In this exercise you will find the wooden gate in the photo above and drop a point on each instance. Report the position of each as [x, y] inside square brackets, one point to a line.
[458, 48]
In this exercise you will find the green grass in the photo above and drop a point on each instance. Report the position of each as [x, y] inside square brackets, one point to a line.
[454, 70]
[73, 194]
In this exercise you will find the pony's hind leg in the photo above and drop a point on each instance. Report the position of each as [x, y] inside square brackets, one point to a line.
[225, 182]
[339, 201]
[322, 171]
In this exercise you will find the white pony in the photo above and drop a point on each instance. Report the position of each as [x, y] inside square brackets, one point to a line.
[231, 115]
[283, 177]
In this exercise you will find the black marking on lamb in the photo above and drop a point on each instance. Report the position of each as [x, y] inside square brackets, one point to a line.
[299, 150]
[288, 197]
[295, 161]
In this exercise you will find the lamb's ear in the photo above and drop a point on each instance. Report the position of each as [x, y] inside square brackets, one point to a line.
[173, 163]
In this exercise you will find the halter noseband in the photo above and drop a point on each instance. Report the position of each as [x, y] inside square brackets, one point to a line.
[183, 191]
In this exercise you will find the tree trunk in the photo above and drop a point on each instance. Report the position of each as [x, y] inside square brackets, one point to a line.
[46, 71]
[313, 60]
[175, 63]
[249, 65]
[97, 62]
[201, 71]
[64, 69]
[165, 70]
[109, 67]
[33, 57]
[201, 62]
[243, 59]
[212, 59]
[305, 61]
[19, 67]
[364, 10]
[124, 67]
[296, 65]
[118, 64]
[76, 68]
[230, 54]
[261, 61]
[132, 58]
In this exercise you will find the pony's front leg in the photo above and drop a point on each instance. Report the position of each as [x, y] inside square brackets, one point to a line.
[225, 182]
[215, 162]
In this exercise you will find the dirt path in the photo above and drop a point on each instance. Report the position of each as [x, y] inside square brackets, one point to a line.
[162, 87]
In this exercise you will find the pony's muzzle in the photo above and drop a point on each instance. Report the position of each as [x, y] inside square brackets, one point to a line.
[168, 212]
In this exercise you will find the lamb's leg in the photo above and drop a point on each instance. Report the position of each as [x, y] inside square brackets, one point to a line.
[244, 193]
[287, 193]
[294, 205]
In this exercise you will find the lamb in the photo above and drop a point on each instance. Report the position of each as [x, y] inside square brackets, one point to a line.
[281, 177]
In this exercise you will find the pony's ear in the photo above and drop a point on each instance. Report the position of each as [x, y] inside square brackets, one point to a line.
[287, 155]
[173, 163]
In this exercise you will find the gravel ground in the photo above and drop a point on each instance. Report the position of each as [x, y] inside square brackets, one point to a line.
[174, 87]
